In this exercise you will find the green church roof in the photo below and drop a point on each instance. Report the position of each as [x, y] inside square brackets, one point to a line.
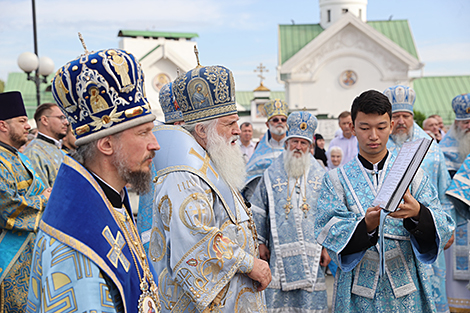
[244, 98]
[292, 38]
[153, 34]
[434, 94]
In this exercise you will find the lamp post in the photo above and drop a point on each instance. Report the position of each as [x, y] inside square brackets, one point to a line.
[29, 62]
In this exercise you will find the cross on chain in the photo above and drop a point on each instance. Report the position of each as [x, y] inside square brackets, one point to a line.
[261, 69]
[117, 244]
[316, 182]
[279, 184]
[205, 163]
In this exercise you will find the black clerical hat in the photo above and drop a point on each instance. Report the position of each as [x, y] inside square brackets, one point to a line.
[11, 105]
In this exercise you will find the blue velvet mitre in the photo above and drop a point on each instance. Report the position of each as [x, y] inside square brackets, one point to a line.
[461, 107]
[302, 124]
[170, 107]
[102, 93]
[401, 97]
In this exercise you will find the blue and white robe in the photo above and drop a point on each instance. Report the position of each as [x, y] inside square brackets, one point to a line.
[450, 147]
[298, 282]
[261, 159]
[200, 243]
[435, 166]
[459, 191]
[347, 192]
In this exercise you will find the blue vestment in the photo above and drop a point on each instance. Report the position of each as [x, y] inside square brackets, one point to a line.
[46, 158]
[82, 260]
[434, 165]
[347, 192]
[201, 241]
[449, 146]
[298, 282]
[261, 159]
[458, 259]
[21, 207]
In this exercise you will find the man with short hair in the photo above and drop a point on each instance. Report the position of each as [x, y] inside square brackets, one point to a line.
[203, 240]
[456, 147]
[347, 224]
[45, 151]
[23, 197]
[284, 208]
[405, 129]
[88, 255]
[346, 140]
[456, 142]
[431, 127]
[269, 147]
[440, 121]
[246, 144]
[68, 142]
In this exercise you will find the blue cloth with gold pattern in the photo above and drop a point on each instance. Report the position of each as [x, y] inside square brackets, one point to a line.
[347, 192]
[82, 237]
[21, 206]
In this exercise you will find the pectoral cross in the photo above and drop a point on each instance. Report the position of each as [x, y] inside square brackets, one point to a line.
[279, 185]
[287, 208]
[117, 244]
[305, 207]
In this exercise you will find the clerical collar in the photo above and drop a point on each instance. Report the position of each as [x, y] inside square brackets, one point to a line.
[50, 140]
[113, 196]
[369, 165]
[9, 148]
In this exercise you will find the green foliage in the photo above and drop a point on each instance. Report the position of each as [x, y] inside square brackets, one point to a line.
[419, 118]
[2, 85]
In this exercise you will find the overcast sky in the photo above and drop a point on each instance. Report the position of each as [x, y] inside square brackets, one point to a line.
[239, 34]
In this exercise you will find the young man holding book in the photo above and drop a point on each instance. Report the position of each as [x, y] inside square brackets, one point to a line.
[348, 225]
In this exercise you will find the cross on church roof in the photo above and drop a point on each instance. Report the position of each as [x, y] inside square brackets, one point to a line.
[261, 69]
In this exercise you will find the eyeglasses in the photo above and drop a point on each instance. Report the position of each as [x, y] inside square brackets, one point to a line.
[62, 118]
[276, 119]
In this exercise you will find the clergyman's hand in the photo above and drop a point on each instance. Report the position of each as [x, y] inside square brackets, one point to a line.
[409, 208]
[47, 193]
[260, 273]
[264, 253]
[372, 218]
[324, 258]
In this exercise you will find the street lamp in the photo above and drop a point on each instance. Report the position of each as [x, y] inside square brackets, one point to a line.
[43, 66]
[29, 61]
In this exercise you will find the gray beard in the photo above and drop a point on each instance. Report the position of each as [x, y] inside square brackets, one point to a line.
[463, 138]
[294, 166]
[228, 159]
[277, 131]
[401, 138]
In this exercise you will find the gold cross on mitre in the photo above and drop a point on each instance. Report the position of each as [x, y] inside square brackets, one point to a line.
[117, 244]
[197, 57]
[205, 163]
[261, 69]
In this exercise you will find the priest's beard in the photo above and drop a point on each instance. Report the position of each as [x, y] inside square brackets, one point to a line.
[227, 158]
[277, 130]
[463, 137]
[400, 137]
[296, 166]
[139, 180]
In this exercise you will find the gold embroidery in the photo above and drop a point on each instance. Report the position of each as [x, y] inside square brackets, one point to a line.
[157, 248]
[206, 163]
[117, 244]
[165, 208]
[196, 214]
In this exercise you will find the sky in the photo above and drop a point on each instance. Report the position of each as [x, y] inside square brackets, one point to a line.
[239, 34]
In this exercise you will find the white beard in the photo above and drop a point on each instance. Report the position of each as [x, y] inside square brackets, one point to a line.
[228, 159]
[401, 138]
[463, 138]
[294, 166]
[280, 130]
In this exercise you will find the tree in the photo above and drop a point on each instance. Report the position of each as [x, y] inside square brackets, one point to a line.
[419, 118]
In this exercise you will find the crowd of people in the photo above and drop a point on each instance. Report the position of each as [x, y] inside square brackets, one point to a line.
[224, 224]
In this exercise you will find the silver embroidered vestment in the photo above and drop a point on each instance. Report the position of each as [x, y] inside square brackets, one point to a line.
[298, 283]
[200, 241]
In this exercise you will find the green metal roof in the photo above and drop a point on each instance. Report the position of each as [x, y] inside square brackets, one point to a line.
[292, 38]
[152, 34]
[434, 94]
[244, 97]
[17, 81]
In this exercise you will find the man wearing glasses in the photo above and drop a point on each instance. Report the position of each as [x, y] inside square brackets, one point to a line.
[269, 147]
[45, 150]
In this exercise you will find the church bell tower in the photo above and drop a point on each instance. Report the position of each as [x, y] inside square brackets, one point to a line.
[333, 10]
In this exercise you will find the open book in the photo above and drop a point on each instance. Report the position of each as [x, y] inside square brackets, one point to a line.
[401, 174]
